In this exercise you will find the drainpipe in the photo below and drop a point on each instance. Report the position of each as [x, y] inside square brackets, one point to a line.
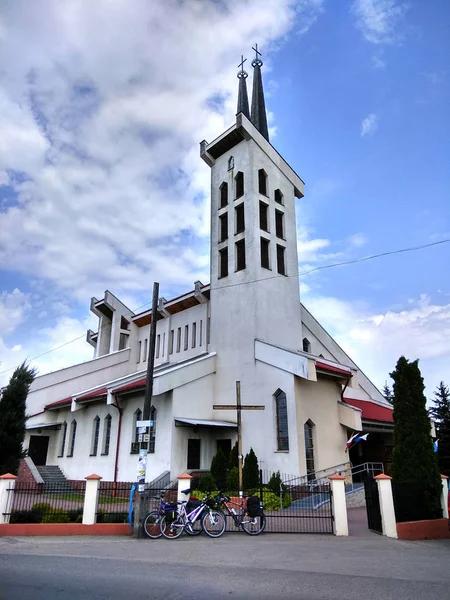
[345, 387]
[119, 428]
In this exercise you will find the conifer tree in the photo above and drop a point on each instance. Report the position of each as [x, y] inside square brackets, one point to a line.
[219, 469]
[250, 471]
[387, 393]
[13, 418]
[233, 461]
[440, 412]
[413, 457]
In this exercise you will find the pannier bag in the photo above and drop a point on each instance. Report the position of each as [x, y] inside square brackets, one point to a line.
[192, 505]
[253, 506]
[171, 511]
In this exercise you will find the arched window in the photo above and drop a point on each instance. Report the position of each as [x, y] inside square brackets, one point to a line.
[262, 182]
[73, 434]
[281, 421]
[151, 447]
[230, 163]
[95, 434]
[239, 184]
[306, 345]
[137, 416]
[106, 435]
[309, 449]
[223, 194]
[63, 439]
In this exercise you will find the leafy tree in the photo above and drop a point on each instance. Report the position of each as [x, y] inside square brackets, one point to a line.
[233, 460]
[206, 483]
[219, 469]
[387, 393]
[440, 412]
[13, 418]
[413, 457]
[233, 479]
[275, 483]
[250, 471]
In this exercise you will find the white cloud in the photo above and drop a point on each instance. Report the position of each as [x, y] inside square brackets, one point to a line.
[13, 308]
[358, 240]
[378, 62]
[369, 124]
[380, 21]
[375, 340]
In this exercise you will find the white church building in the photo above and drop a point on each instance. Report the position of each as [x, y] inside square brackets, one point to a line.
[246, 325]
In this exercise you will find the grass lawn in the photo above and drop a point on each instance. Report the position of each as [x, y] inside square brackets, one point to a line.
[74, 497]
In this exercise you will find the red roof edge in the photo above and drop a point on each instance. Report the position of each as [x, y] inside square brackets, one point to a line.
[131, 386]
[63, 402]
[332, 368]
[372, 411]
[95, 394]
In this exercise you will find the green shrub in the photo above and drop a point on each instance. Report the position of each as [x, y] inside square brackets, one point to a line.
[207, 483]
[75, 516]
[233, 479]
[275, 483]
[250, 472]
[57, 516]
[25, 516]
[100, 516]
[233, 460]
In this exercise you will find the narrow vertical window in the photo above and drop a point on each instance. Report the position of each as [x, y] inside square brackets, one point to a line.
[95, 433]
[139, 352]
[178, 339]
[265, 254]
[281, 421]
[63, 439]
[223, 194]
[194, 335]
[281, 267]
[158, 344]
[264, 216]
[208, 331]
[106, 435]
[151, 447]
[279, 224]
[306, 345]
[137, 416]
[200, 341]
[278, 197]
[145, 349]
[239, 219]
[186, 337]
[223, 263]
[171, 336]
[164, 344]
[230, 163]
[223, 227]
[240, 255]
[309, 449]
[239, 184]
[73, 435]
[262, 182]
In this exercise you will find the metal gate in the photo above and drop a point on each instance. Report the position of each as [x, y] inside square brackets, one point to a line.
[373, 505]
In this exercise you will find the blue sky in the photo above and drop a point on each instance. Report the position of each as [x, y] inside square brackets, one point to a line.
[102, 107]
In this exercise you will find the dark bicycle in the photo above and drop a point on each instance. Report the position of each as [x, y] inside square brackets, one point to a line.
[193, 517]
[152, 521]
[248, 515]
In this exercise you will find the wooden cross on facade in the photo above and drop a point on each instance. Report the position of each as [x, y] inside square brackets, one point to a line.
[238, 407]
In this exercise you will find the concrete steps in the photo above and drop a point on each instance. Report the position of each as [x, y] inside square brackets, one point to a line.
[54, 479]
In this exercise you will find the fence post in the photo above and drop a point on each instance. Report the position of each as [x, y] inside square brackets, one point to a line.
[184, 482]
[444, 496]
[388, 522]
[91, 499]
[7, 485]
[338, 505]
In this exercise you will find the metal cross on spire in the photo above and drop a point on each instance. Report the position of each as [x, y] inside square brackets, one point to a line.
[257, 60]
[242, 73]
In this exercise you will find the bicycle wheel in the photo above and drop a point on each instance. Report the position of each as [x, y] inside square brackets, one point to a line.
[255, 525]
[213, 523]
[194, 528]
[172, 529]
[152, 525]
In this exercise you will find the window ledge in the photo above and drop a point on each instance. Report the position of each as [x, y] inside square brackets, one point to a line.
[69, 456]
[104, 454]
[92, 454]
[281, 451]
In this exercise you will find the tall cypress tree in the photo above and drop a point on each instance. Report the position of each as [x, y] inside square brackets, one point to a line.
[250, 471]
[413, 458]
[219, 469]
[387, 393]
[13, 418]
[233, 461]
[441, 414]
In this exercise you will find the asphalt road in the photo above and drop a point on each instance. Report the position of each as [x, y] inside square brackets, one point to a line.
[235, 566]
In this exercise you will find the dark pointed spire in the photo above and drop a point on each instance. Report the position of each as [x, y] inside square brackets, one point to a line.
[258, 117]
[242, 105]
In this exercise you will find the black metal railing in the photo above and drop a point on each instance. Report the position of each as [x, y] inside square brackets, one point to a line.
[415, 501]
[113, 501]
[49, 503]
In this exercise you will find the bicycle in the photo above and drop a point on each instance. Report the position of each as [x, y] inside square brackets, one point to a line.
[201, 518]
[152, 520]
[252, 525]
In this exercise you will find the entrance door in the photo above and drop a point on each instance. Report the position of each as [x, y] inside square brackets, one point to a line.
[226, 447]
[193, 454]
[37, 450]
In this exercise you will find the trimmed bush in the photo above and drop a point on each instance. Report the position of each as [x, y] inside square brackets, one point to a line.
[57, 516]
[250, 472]
[219, 469]
[233, 479]
[207, 483]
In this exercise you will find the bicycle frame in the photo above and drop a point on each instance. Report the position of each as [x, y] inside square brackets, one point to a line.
[237, 518]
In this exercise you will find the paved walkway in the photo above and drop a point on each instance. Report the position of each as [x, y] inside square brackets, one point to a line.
[357, 523]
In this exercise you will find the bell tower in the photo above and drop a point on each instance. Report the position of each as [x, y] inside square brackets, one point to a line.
[254, 264]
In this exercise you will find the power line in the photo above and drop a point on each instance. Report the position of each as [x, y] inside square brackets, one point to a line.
[299, 273]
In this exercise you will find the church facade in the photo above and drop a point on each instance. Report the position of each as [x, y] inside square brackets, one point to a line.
[246, 325]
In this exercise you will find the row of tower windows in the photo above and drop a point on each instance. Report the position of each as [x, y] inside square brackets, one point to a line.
[239, 188]
[240, 257]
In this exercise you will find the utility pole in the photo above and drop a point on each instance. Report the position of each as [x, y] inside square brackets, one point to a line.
[145, 425]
